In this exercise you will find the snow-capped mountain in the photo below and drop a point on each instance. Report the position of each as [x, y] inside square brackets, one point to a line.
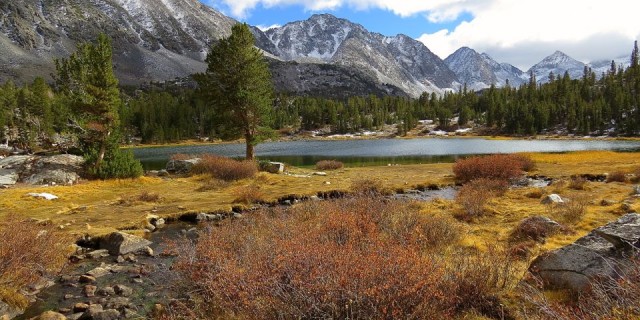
[399, 61]
[601, 67]
[480, 71]
[153, 39]
[558, 63]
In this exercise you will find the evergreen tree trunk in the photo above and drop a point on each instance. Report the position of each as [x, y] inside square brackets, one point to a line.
[249, 155]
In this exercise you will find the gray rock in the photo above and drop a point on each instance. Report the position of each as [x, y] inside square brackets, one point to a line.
[605, 251]
[181, 166]
[208, 217]
[272, 167]
[636, 191]
[118, 303]
[109, 314]
[163, 173]
[59, 169]
[552, 199]
[106, 291]
[89, 290]
[123, 290]
[86, 279]
[8, 176]
[9, 311]
[97, 254]
[120, 243]
[51, 315]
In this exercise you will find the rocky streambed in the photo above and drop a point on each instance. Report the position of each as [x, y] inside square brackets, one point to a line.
[126, 280]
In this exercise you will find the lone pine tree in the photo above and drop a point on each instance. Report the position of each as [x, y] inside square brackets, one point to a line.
[237, 86]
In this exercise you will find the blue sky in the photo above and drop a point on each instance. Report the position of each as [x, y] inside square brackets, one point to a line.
[520, 32]
[376, 20]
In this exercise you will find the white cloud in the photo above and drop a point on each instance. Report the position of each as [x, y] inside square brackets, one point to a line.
[500, 27]
[586, 30]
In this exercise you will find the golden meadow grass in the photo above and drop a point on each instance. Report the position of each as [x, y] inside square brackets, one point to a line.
[97, 207]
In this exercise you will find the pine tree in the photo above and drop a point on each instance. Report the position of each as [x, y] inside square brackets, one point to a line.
[237, 85]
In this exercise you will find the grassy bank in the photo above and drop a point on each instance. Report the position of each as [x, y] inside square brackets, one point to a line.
[99, 207]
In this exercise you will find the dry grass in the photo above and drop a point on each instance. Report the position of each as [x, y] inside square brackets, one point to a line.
[147, 196]
[325, 165]
[617, 176]
[223, 168]
[474, 195]
[369, 187]
[249, 194]
[577, 183]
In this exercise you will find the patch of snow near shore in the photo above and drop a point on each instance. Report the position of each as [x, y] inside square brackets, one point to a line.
[44, 195]
[463, 130]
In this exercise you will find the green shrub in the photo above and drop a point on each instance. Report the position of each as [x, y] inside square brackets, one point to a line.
[117, 164]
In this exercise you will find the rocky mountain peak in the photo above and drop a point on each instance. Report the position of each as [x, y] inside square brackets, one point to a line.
[558, 63]
[480, 71]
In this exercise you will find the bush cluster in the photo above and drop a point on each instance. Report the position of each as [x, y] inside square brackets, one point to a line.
[28, 252]
[356, 258]
[117, 164]
[224, 168]
[617, 176]
[474, 195]
[496, 167]
[325, 165]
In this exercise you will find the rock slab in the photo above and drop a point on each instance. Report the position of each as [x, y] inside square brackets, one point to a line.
[120, 243]
[604, 252]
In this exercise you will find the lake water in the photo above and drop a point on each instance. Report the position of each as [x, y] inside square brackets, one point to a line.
[379, 151]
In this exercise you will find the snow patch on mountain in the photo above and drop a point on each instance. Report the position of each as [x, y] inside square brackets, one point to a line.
[558, 63]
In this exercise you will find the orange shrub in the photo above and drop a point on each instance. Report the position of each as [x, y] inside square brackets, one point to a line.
[249, 194]
[474, 195]
[496, 167]
[617, 176]
[224, 168]
[28, 251]
[329, 165]
[342, 259]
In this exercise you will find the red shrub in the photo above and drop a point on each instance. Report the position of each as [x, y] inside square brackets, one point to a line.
[224, 168]
[329, 165]
[343, 259]
[496, 167]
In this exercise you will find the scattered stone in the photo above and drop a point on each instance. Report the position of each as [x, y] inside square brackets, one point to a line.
[64, 310]
[137, 281]
[80, 307]
[131, 257]
[120, 259]
[43, 195]
[208, 217]
[327, 182]
[181, 166]
[237, 215]
[636, 191]
[89, 290]
[97, 254]
[120, 243]
[163, 173]
[68, 296]
[321, 174]
[627, 207]
[8, 311]
[106, 291]
[552, 199]
[607, 202]
[604, 252]
[51, 315]
[123, 290]
[75, 316]
[98, 272]
[272, 167]
[130, 314]
[118, 303]
[109, 314]
[148, 251]
[85, 278]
